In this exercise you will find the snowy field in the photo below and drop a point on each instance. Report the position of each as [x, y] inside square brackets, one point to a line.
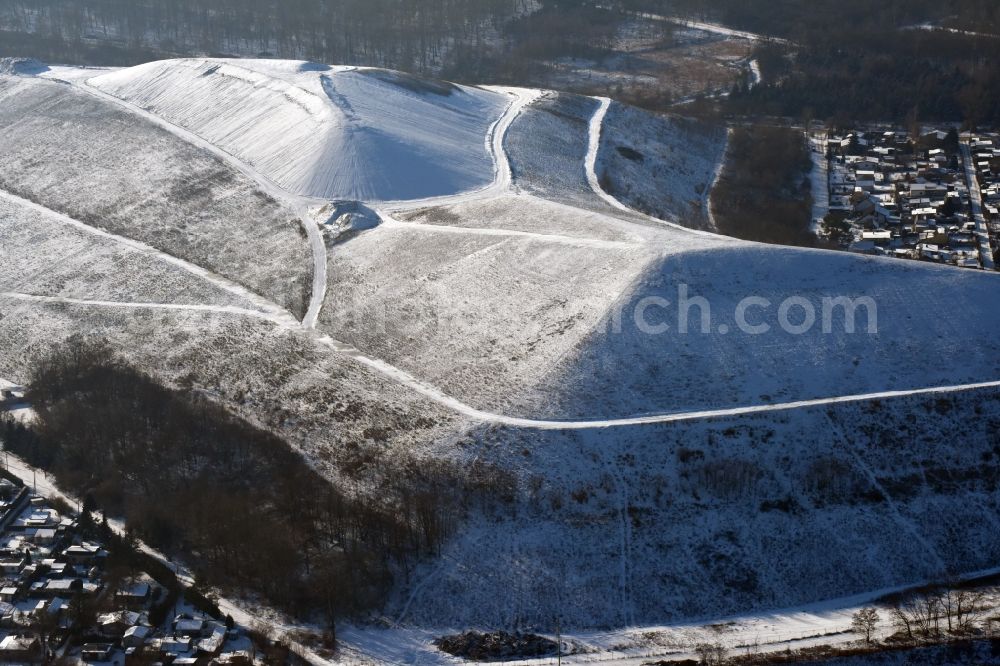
[932, 330]
[325, 132]
[437, 303]
[112, 170]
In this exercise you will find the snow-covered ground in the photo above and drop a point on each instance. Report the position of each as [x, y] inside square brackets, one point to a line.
[433, 298]
[473, 325]
[621, 370]
[47, 255]
[639, 526]
[116, 172]
[661, 166]
[325, 132]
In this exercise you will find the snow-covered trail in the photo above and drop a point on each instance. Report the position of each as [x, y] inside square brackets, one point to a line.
[755, 75]
[456, 405]
[503, 178]
[440, 397]
[930, 27]
[714, 28]
[269, 309]
[128, 305]
[299, 204]
[809, 625]
[720, 166]
[390, 222]
[902, 521]
[820, 179]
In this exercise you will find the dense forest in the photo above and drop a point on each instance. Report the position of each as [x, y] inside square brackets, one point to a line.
[763, 193]
[851, 60]
[843, 59]
[918, 74]
[404, 34]
[192, 479]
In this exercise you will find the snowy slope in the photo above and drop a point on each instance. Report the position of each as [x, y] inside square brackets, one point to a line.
[638, 526]
[435, 299]
[43, 256]
[934, 328]
[278, 377]
[661, 165]
[115, 171]
[504, 300]
[332, 133]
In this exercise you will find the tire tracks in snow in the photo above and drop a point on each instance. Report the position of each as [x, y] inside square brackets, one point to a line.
[137, 305]
[901, 520]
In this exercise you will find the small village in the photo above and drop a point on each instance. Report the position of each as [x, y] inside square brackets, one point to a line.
[69, 596]
[930, 196]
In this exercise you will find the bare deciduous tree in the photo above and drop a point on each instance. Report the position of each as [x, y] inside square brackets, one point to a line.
[864, 623]
[711, 654]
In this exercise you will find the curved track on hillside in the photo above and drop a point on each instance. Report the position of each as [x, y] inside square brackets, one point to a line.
[502, 184]
[590, 166]
[502, 173]
[454, 404]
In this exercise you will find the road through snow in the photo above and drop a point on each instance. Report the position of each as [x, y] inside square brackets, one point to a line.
[976, 201]
[390, 222]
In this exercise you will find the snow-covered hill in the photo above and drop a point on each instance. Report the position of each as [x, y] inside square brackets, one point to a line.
[485, 295]
[325, 132]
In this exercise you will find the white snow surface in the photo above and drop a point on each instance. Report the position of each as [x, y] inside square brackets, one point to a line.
[322, 131]
[479, 327]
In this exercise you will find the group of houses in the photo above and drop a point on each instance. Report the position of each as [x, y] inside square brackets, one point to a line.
[63, 595]
[897, 194]
[984, 156]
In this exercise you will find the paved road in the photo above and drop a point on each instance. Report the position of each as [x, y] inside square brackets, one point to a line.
[976, 201]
